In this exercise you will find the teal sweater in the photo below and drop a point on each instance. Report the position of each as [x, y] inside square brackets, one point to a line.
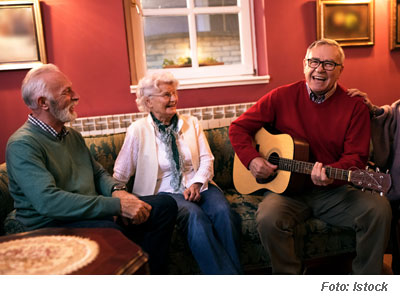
[56, 180]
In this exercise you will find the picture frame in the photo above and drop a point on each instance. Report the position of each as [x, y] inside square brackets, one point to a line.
[394, 24]
[21, 35]
[349, 22]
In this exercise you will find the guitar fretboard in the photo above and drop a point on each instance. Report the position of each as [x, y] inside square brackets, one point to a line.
[303, 167]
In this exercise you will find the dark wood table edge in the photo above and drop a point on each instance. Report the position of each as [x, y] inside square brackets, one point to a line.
[137, 264]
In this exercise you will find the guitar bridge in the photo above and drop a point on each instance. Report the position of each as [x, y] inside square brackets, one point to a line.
[266, 180]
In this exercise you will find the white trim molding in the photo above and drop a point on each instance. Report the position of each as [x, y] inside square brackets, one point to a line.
[198, 83]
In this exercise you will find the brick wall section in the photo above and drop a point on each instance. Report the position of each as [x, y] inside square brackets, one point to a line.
[224, 48]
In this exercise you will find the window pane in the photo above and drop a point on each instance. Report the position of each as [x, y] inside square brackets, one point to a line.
[163, 4]
[218, 40]
[167, 42]
[203, 3]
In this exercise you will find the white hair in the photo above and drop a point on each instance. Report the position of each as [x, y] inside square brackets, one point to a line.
[34, 84]
[149, 85]
[327, 42]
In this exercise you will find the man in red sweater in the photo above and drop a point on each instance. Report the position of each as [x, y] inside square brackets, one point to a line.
[337, 129]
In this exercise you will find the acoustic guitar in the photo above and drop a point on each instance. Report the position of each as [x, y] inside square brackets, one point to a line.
[291, 155]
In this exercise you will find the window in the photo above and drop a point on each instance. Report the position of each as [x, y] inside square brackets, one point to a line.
[199, 41]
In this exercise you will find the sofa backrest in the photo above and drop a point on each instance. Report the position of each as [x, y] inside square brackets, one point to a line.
[105, 149]
[222, 150]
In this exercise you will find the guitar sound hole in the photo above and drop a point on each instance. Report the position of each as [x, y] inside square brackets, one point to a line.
[273, 159]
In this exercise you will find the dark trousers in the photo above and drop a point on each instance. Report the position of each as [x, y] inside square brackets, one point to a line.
[369, 215]
[153, 236]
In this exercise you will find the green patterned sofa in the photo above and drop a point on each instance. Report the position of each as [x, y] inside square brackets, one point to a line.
[314, 238]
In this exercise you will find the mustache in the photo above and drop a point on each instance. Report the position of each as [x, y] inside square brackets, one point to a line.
[72, 105]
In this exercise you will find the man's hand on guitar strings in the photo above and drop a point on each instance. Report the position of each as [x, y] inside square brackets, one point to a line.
[318, 175]
[261, 168]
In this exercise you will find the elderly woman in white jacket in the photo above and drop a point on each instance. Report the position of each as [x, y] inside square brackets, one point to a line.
[169, 153]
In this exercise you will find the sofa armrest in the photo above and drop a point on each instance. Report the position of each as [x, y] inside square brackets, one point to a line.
[6, 201]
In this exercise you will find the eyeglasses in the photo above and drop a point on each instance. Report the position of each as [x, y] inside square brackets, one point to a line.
[327, 65]
[166, 95]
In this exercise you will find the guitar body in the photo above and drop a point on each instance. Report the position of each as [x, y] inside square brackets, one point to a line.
[267, 144]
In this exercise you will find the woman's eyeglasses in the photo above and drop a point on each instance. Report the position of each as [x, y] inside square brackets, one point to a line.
[166, 95]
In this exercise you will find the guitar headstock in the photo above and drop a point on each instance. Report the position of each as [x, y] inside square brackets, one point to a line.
[370, 180]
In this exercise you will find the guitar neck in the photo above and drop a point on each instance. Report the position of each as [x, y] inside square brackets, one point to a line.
[303, 167]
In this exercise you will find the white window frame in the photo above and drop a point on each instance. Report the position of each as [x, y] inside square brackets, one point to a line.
[195, 76]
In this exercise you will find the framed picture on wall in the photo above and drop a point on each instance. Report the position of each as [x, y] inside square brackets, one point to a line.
[394, 24]
[21, 35]
[350, 23]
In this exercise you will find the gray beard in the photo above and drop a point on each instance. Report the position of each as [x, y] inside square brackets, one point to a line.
[62, 115]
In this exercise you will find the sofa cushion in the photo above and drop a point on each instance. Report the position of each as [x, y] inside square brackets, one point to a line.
[315, 239]
[252, 254]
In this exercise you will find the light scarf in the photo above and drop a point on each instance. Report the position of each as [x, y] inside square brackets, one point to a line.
[169, 135]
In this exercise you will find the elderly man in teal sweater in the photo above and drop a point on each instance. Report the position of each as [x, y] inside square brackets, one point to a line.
[55, 182]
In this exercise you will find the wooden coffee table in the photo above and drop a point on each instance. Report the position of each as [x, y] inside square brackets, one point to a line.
[117, 254]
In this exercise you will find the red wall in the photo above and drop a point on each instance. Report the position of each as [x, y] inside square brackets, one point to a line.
[86, 39]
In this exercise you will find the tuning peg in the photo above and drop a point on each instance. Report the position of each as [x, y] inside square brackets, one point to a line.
[366, 167]
[381, 194]
[363, 189]
[387, 171]
[377, 170]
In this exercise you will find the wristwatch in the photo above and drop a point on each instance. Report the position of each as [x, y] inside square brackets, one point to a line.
[118, 187]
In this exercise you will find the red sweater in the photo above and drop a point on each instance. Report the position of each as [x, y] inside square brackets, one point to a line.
[337, 130]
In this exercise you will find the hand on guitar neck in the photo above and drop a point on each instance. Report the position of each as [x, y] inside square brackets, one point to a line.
[318, 175]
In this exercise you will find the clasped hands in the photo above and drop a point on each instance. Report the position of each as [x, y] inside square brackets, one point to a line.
[192, 193]
[261, 168]
[133, 210]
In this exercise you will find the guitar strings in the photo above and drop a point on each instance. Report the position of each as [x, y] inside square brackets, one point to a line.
[306, 167]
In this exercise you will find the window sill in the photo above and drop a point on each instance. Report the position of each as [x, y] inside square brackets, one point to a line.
[198, 83]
